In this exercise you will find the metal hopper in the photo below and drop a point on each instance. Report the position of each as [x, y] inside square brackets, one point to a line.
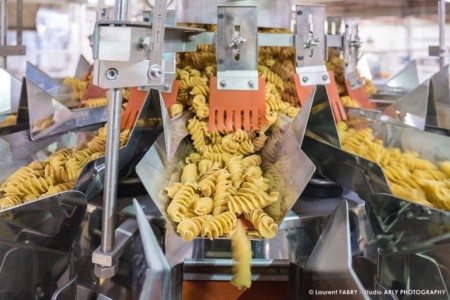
[281, 149]
[356, 173]
[46, 221]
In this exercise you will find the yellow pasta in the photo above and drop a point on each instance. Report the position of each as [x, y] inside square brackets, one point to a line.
[242, 257]
[409, 176]
[263, 222]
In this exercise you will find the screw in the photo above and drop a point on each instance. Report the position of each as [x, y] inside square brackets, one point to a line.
[220, 61]
[359, 81]
[146, 19]
[251, 84]
[223, 83]
[410, 215]
[352, 84]
[305, 79]
[220, 16]
[166, 87]
[300, 57]
[324, 77]
[299, 12]
[192, 37]
[112, 74]
[155, 72]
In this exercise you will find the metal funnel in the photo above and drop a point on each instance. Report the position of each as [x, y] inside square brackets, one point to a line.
[158, 164]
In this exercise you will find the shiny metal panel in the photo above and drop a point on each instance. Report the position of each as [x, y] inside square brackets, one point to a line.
[270, 14]
[405, 80]
[352, 43]
[400, 225]
[332, 255]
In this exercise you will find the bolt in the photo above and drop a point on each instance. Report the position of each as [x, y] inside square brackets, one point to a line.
[300, 57]
[155, 72]
[166, 87]
[352, 84]
[192, 37]
[305, 79]
[220, 61]
[220, 16]
[359, 81]
[299, 12]
[146, 19]
[112, 74]
[223, 83]
[251, 84]
[324, 77]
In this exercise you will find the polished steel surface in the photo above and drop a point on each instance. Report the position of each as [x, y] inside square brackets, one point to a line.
[205, 11]
[158, 278]
[405, 80]
[332, 255]
[441, 21]
[237, 48]
[352, 43]
[402, 226]
[111, 169]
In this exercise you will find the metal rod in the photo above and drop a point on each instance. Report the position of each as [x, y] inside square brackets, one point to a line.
[441, 20]
[19, 21]
[111, 170]
[3, 29]
[112, 153]
[121, 10]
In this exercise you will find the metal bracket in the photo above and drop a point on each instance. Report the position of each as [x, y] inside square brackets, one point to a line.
[352, 43]
[237, 48]
[168, 58]
[107, 262]
[310, 45]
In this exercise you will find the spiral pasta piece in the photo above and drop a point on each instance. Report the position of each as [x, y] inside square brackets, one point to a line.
[182, 200]
[247, 202]
[265, 224]
[190, 228]
[242, 257]
[219, 225]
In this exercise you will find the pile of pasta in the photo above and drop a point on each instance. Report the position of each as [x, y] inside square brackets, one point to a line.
[80, 87]
[56, 174]
[223, 183]
[409, 176]
[336, 64]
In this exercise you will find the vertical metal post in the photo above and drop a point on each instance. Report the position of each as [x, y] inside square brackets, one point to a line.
[112, 153]
[441, 20]
[3, 29]
[19, 21]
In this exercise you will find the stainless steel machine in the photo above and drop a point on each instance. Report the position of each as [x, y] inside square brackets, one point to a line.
[342, 233]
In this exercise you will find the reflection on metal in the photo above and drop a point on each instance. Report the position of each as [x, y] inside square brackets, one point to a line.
[400, 225]
[158, 278]
[156, 166]
[10, 88]
[414, 244]
[50, 222]
[404, 81]
[317, 116]
[205, 11]
[332, 255]
[350, 171]
[38, 279]
[52, 109]
[411, 109]
[19, 111]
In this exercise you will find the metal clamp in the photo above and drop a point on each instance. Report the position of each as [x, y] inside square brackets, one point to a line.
[310, 45]
[237, 48]
[352, 43]
[106, 263]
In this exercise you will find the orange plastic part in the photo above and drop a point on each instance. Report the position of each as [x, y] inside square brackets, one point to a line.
[303, 92]
[230, 110]
[171, 98]
[360, 96]
[135, 102]
[92, 90]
